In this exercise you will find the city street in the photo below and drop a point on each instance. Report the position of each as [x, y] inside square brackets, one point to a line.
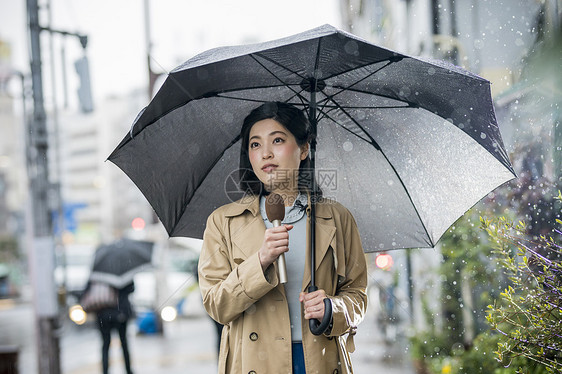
[437, 125]
[187, 346]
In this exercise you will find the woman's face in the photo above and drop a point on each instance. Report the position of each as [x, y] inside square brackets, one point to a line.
[275, 155]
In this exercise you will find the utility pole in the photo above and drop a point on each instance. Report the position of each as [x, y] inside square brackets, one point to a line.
[152, 76]
[42, 245]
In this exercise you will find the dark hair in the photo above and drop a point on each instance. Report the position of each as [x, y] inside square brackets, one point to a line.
[294, 120]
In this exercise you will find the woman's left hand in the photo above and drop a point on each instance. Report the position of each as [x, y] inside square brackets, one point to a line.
[313, 304]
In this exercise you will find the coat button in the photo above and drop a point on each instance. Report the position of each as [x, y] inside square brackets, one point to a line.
[251, 372]
[253, 336]
[336, 371]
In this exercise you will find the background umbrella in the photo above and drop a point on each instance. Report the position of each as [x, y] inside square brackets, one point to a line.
[407, 144]
[117, 263]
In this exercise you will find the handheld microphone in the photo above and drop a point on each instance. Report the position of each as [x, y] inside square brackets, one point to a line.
[275, 210]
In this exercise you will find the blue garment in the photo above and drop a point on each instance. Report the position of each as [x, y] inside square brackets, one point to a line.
[298, 359]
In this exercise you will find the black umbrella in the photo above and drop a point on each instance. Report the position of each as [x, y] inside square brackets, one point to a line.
[407, 144]
[118, 262]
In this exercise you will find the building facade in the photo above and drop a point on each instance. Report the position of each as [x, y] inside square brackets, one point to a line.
[99, 200]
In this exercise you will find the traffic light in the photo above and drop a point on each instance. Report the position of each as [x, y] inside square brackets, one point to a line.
[138, 224]
[85, 90]
[384, 261]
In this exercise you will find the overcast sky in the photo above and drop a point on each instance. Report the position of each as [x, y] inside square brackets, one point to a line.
[179, 29]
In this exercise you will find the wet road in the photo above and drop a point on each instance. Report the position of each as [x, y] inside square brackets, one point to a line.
[187, 346]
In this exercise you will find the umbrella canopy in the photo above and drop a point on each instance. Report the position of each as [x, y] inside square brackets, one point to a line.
[117, 263]
[407, 144]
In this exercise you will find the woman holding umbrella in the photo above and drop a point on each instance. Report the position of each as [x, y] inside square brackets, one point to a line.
[265, 320]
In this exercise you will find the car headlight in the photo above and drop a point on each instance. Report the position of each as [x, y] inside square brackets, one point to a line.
[77, 314]
[168, 313]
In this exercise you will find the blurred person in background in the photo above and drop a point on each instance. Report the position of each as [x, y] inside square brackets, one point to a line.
[112, 317]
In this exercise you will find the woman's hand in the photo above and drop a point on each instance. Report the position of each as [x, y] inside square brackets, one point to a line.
[275, 242]
[313, 304]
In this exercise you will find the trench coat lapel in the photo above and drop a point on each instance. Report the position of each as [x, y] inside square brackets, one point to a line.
[247, 235]
[247, 245]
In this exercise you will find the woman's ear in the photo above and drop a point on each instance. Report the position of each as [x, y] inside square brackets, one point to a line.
[304, 151]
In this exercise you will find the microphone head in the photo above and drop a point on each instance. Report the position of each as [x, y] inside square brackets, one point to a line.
[274, 207]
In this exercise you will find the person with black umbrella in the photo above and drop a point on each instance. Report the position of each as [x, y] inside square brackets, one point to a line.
[109, 287]
[266, 329]
[113, 313]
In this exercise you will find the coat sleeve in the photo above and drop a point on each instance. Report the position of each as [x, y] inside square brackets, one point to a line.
[349, 304]
[229, 289]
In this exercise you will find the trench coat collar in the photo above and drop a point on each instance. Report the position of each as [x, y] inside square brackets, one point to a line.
[250, 203]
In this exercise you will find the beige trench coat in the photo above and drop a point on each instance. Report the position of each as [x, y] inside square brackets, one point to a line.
[252, 305]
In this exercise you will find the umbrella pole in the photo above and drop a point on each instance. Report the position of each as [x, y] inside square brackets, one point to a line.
[316, 327]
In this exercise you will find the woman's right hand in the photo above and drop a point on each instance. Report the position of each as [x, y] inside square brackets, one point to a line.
[275, 242]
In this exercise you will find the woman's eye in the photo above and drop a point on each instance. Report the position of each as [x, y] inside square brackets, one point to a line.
[254, 145]
[278, 140]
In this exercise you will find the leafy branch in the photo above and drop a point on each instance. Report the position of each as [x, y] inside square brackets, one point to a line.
[529, 312]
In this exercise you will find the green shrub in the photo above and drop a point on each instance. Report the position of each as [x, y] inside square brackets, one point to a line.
[528, 315]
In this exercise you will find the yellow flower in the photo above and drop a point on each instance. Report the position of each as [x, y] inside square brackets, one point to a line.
[446, 369]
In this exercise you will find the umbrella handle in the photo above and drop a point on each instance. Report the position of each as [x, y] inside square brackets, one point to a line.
[317, 327]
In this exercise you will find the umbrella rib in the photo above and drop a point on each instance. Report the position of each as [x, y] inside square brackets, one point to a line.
[316, 63]
[240, 98]
[332, 107]
[261, 101]
[342, 89]
[275, 63]
[273, 74]
[375, 144]
[325, 114]
[238, 89]
[371, 140]
[301, 98]
[389, 60]
[410, 104]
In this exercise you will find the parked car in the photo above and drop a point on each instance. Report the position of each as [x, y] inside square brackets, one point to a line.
[170, 288]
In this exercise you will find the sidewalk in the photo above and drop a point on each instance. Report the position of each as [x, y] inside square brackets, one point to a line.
[373, 355]
[188, 346]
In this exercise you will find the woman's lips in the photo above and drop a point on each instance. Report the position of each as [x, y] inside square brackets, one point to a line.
[269, 168]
